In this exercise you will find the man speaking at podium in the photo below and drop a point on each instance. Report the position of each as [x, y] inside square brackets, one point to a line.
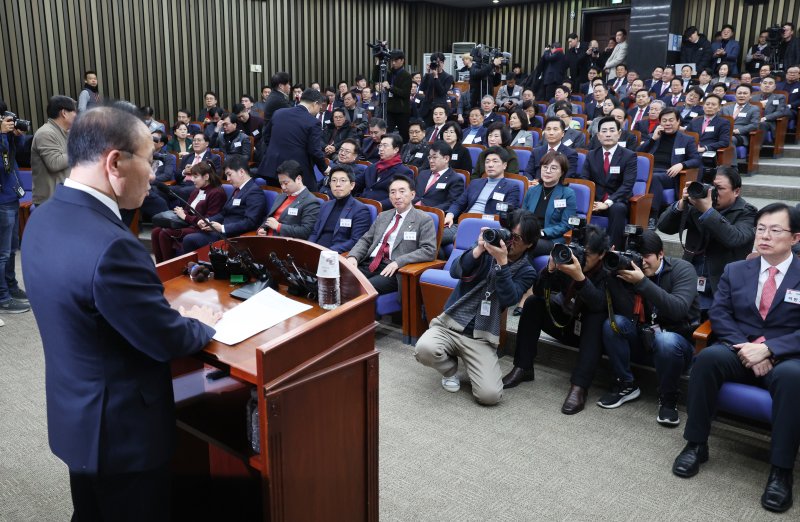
[107, 330]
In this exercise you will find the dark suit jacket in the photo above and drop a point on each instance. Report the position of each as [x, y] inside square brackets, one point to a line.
[372, 186]
[555, 67]
[189, 159]
[435, 90]
[667, 99]
[293, 134]
[332, 136]
[238, 145]
[688, 112]
[275, 101]
[399, 94]
[344, 237]
[480, 135]
[734, 314]
[166, 172]
[618, 186]
[714, 139]
[507, 194]
[110, 407]
[464, 159]
[245, 216]
[447, 189]
[658, 87]
[634, 109]
[644, 128]
[298, 219]
[369, 150]
[534, 163]
[690, 157]
[491, 118]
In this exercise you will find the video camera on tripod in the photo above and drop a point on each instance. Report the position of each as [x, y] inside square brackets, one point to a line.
[485, 54]
[380, 50]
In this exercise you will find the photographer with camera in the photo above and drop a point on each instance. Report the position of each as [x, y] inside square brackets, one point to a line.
[396, 87]
[478, 73]
[555, 68]
[573, 296]
[665, 314]
[718, 224]
[435, 85]
[12, 298]
[492, 276]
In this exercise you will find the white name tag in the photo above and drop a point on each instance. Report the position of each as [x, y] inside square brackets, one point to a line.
[710, 128]
[391, 95]
[292, 211]
[237, 144]
[701, 284]
[327, 122]
[371, 108]
[623, 144]
[498, 196]
[741, 115]
[679, 152]
[409, 236]
[417, 100]
[255, 132]
[477, 139]
[792, 296]
[567, 142]
[454, 157]
[613, 170]
[418, 155]
[776, 102]
[521, 139]
[237, 202]
[560, 203]
[692, 114]
[501, 207]
[488, 217]
[577, 329]
[347, 223]
[201, 196]
[486, 308]
[441, 186]
[794, 91]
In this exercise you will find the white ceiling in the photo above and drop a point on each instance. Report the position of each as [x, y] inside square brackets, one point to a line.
[471, 3]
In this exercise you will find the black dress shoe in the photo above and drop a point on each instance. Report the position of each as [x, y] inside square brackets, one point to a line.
[687, 463]
[575, 401]
[517, 311]
[778, 493]
[516, 376]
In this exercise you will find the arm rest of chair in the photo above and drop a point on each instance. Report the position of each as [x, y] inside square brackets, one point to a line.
[640, 209]
[170, 182]
[687, 175]
[416, 269]
[726, 156]
[701, 336]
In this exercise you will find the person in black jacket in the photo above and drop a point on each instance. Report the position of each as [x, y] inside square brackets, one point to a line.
[281, 84]
[435, 85]
[334, 135]
[577, 59]
[555, 67]
[578, 304]
[478, 72]
[696, 49]
[397, 91]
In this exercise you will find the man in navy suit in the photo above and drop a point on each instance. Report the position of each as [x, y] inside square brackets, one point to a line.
[295, 134]
[107, 331]
[553, 133]
[675, 94]
[374, 182]
[613, 179]
[371, 145]
[344, 219]
[756, 321]
[243, 212]
[714, 131]
[440, 186]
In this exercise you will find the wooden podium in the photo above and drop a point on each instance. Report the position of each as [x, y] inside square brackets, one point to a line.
[317, 381]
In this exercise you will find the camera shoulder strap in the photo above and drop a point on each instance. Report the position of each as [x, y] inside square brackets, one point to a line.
[547, 294]
[682, 228]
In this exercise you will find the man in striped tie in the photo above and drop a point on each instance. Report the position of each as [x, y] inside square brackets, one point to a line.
[756, 321]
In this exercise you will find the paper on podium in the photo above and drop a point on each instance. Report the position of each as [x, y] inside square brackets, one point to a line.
[264, 310]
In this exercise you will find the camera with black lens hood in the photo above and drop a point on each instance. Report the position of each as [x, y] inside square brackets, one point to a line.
[697, 190]
[493, 236]
[615, 260]
[562, 253]
[20, 125]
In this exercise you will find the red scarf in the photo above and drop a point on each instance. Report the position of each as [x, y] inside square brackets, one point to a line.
[387, 164]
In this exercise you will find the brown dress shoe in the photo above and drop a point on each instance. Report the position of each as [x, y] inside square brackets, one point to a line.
[575, 401]
[516, 376]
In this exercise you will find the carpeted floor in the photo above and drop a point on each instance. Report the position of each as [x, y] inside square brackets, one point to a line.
[443, 457]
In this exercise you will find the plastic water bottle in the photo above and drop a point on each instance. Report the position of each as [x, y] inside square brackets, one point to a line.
[328, 280]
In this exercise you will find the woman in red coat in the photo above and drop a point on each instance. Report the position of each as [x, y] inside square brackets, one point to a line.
[207, 199]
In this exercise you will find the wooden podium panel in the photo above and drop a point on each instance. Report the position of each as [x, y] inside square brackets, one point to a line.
[317, 376]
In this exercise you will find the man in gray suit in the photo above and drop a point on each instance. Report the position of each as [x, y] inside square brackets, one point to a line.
[774, 105]
[745, 116]
[294, 212]
[398, 236]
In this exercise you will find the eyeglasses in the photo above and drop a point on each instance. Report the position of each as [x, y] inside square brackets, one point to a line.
[515, 237]
[339, 181]
[773, 231]
[551, 168]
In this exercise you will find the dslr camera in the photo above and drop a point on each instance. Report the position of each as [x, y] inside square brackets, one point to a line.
[562, 253]
[615, 260]
[697, 190]
[493, 236]
[20, 125]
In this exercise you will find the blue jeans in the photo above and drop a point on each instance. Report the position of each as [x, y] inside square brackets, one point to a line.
[672, 353]
[9, 244]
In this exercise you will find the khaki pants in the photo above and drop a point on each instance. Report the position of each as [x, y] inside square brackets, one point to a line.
[440, 348]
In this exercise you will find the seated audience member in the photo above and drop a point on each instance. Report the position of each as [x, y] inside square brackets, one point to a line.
[356, 116]
[209, 103]
[294, 213]
[615, 83]
[552, 137]
[662, 87]
[704, 82]
[792, 86]
[497, 135]
[249, 123]
[434, 132]
[476, 132]
[367, 103]
[440, 186]
[719, 229]
[722, 77]
[400, 235]
[199, 154]
[162, 169]
[375, 181]
[755, 346]
[490, 195]
[183, 116]
[561, 95]
[720, 89]
[675, 95]
[243, 211]
[490, 279]
[518, 123]
[686, 77]
[692, 106]
[180, 142]
[214, 125]
[460, 158]
[580, 324]
[370, 145]
[714, 131]
[667, 288]
[627, 139]
[564, 113]
[509, 96]
[605, 110]
[613, 170]
[415, 152]
[261, 105]
[649, 124]
[629, 99]
[774, 106]
[594, 105]
[147, 115]
[726, 50]
[416, 99]
[247, 101]
[532, 110]
[347, 155]
[343, 219]
[586, 89]
[487, 107]
[745, 116]
[552, 201]
[231, 140]
[334, 135]
[655, 81]
[206, 199]
[673, 151]
[696, 49]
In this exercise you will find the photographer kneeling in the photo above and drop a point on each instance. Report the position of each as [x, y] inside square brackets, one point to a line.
[665, 314]
[573, 296]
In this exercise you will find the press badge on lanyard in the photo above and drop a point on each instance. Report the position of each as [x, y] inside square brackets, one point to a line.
[486, 305]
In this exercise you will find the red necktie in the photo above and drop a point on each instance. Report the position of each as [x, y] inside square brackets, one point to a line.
[607, 162]
[434, 134]
[432, 181]
[383, 251]
[768, 293]
[639, 115]
[235, 193]
[705, 124]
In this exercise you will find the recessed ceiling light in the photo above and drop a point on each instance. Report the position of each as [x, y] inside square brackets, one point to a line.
[495, 1]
